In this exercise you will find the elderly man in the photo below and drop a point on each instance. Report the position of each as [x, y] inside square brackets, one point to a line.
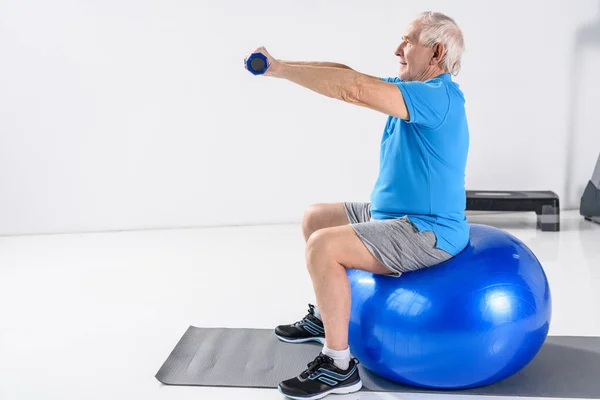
[416, 216]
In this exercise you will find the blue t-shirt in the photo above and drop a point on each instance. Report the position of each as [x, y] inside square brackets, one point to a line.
[423, 162]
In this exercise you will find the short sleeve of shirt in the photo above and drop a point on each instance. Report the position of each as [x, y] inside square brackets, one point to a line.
[427, 102]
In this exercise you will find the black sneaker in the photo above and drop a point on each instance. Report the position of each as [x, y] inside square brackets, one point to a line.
[322, 378]
[308, 329]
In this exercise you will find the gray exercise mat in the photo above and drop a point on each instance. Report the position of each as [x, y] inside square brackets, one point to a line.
[566, 366]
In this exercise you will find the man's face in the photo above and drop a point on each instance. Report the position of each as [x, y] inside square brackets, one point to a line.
[414, 58]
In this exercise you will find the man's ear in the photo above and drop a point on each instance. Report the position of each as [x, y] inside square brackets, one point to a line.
[438, 54]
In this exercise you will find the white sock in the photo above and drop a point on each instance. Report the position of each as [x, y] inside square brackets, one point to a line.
[318, 313]
[341, 358]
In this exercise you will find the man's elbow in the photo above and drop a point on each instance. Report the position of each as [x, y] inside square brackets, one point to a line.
[354, 93]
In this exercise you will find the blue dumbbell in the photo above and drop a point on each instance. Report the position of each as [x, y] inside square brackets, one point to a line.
[257, 63]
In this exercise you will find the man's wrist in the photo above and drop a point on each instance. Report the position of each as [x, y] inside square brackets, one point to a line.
[277, 69]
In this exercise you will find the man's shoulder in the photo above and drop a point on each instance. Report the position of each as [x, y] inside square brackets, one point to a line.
[452, 88]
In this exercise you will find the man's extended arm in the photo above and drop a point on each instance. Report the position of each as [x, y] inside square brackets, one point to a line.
[322, 64]
[345, 84]
[316, 64]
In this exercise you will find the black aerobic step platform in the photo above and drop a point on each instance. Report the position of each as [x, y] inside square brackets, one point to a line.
[544, 203]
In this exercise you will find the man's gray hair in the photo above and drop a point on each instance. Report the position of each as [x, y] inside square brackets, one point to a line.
[439, 28]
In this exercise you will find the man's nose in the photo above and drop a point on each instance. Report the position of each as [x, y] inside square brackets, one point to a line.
[400, 50]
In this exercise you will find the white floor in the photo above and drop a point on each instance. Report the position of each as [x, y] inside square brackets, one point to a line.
[93, 316]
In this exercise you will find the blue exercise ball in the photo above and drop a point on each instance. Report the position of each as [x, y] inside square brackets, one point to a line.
[473, 320]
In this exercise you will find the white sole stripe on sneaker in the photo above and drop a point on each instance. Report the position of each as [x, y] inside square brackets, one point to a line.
[355, 387]
[320, 340]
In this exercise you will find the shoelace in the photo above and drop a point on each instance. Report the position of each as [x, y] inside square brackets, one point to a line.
[320, 360]
[316, 364]
[309, 316]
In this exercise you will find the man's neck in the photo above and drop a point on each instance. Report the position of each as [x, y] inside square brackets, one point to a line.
[431, 73]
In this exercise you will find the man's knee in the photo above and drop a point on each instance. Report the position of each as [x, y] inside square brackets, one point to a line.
[323, 215]
[310, 220]
[317, 241]
[319, 245]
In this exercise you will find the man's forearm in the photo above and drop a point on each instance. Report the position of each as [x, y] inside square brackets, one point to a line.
[339, 83]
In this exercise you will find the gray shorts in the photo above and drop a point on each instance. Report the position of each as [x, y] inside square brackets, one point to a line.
[396, 243]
